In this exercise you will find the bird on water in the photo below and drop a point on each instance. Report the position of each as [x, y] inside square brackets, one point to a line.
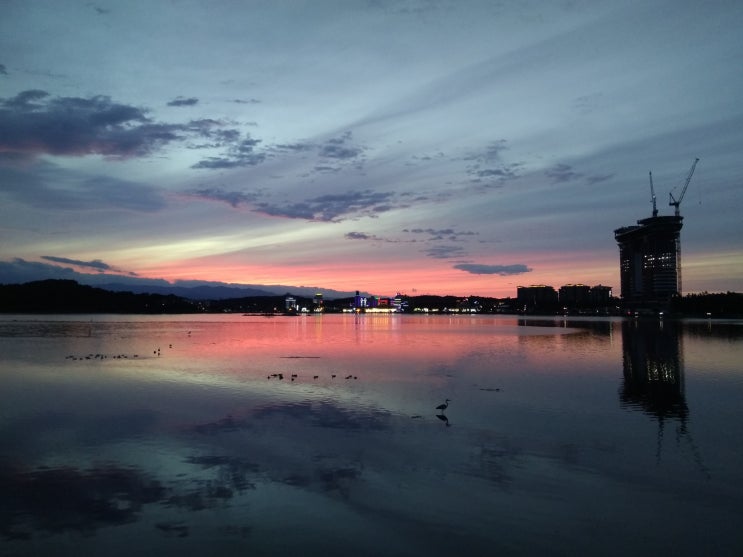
[444, 406]
[444, 419]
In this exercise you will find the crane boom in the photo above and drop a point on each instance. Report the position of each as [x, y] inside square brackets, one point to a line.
[652, 195]
[672, 200]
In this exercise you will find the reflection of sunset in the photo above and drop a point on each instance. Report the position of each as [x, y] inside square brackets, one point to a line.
[383, 347]
[326, 414]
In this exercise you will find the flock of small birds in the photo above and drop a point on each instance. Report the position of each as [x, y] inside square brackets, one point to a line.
[101, 357]
[279, 376]
[294, 376]
[155, 352]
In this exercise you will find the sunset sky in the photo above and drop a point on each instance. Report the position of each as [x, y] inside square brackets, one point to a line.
[415, 146]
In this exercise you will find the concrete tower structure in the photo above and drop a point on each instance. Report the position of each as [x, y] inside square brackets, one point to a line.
[650, 254]
[650, 260]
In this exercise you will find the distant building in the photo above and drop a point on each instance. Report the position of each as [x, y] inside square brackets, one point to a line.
[650, 260]
[600, 295]
[359, 301]
[318, 302]
[536, 297]
[290, 303]
[575, 295]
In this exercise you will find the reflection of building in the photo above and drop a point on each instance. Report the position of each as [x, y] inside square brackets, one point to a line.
[654, 378]
[653, 371]
[650, 260]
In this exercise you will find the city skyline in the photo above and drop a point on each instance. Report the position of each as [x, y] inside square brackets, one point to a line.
[421, 147]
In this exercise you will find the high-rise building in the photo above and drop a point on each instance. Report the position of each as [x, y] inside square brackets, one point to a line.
[650, 260]
[650, 254]
[600, 295]
[537, 297]
[575, 295]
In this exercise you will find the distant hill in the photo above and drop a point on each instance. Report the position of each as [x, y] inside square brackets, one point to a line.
[67, 296]
[189, 292]
[217, 291]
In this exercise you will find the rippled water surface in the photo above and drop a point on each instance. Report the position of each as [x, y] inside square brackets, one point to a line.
[318, 435]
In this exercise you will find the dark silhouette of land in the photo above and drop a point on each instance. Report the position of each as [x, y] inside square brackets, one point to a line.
[67, 296]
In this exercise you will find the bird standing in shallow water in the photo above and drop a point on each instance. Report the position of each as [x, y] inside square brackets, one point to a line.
[444, 406]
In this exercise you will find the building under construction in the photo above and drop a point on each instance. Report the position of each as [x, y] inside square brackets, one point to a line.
[650, 255]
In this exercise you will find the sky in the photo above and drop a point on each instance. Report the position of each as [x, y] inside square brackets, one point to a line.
[412, 146]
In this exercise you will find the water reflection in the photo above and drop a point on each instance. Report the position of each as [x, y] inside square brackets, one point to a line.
[654, 379]
[55, 500]
[213, 441]
[653, 369]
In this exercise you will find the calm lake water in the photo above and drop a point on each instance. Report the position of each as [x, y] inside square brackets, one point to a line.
[177, 435]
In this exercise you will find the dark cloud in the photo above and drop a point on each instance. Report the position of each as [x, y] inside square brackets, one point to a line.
[363, 236]
[33, 122]
[491, 152]
[339, 151]
[503, 270]
[445, 252]
[239, 154]
[40, 183]
[3, 71]
[213, 133]
[230, 162]
[294, 147]
[180, 101]
[562, 173]
[331, 207]
[588, 103]
[120, 194]
[234, 198]
[598, 178]
[359, 236]
[334, 155]
[18, 271]
[25, 98]
[326, 168]
[441, 233]
[340, 148]
[246, 101]
[96, 264]
[487, 165]
[493, 175]
[503, 172]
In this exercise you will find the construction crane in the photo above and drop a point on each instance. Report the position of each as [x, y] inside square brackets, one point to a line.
[652, 195]
[672, 200]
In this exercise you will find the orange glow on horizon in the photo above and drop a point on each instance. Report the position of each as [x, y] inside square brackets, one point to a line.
[383, 277]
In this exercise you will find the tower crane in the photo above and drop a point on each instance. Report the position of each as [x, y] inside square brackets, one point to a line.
[676, 202]
[652, 194]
